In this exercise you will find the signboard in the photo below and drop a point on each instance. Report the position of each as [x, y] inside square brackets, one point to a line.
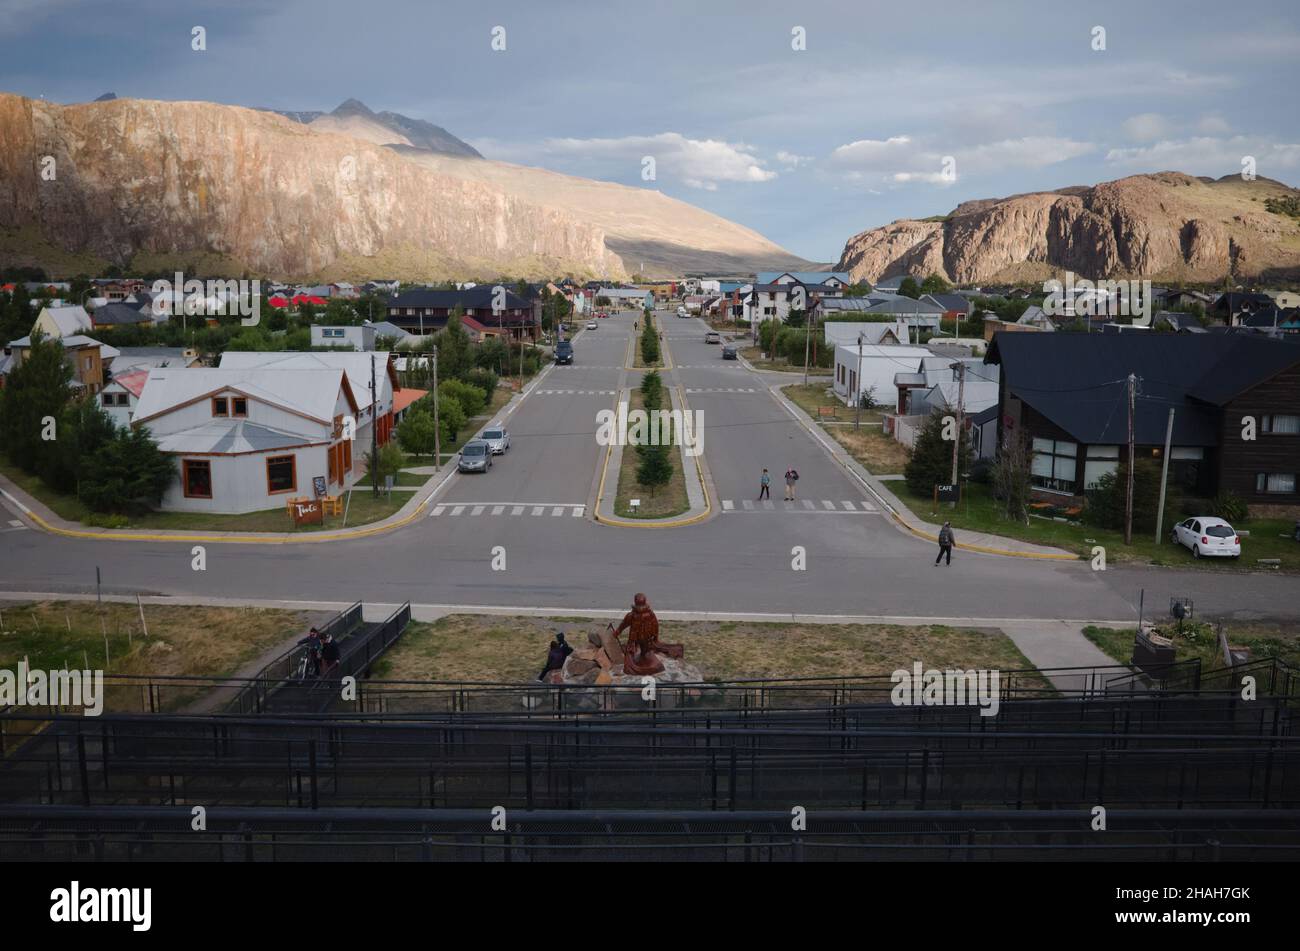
[308, 512]
[947, 493]
[318, 486]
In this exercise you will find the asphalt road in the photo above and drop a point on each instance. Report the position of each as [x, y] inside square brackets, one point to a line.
[739, 560]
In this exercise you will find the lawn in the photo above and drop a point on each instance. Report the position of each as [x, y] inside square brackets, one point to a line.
[979, 511]
[755, 357]
[637, 360]
[183, 640]
[507, 649]
[879, 453]
[1199, 639]
[664, 501]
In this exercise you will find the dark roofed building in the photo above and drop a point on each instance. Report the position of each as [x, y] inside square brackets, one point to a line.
[116, 313]
[424, 310]
[1067, 394]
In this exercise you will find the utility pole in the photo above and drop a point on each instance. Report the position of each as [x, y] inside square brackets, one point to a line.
[857, 385]
[1164, 477]
[960, 367]
[807, 339]
[374, 432]
[1128, 495]
[437, 422]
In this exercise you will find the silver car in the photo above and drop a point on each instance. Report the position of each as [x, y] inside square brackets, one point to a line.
[475, 456]
[497, 438]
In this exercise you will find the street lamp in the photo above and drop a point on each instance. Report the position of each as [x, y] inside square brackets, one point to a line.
[857, 388]
[437, 423]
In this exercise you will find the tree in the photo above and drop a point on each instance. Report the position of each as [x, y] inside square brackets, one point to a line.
[451, 417]
[655, 467]
[934, 284]
[34, 394]
[1011, 475]
[471, 399]
[83, 430]
[1106, 497]
[127, 474]
[931, 461]
[416, 432]
[909, 288]
[387, 461]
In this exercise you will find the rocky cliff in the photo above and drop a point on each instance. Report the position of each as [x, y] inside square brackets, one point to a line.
[1166, 226]
[174, 184]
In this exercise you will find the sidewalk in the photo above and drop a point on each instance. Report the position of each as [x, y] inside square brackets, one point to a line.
[983, 542]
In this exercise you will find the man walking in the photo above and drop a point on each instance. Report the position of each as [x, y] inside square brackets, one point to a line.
[945, 543]
[764, 486]
[791, 477]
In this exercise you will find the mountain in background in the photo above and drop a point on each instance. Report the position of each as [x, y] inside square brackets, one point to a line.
[348, 194]
[1166, 226]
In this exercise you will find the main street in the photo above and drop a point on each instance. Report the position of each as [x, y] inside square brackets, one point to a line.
[537, 502]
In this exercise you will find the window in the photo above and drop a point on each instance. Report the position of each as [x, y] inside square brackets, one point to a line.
[220, 406]
[196, 478]
[1280, 425]
[1053, 466]
[1100, 460]
[1275, 483]
[238, 406]
[281, 474]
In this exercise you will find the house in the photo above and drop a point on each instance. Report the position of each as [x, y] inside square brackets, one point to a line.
[90, 359]
[892, 283]
[119, 314]
[934, 385]
[359, 337]
[121, 395]
[849, 332]
[62, 321]
[632, 297]
[246, 440]
[146, 358]
[1067, 395]
[1234, 306]
[829, 279]
[983, 430]
[1174, 299]
[361, 368]
[871, 369]
[955, 306]
[425, 310]
[403, 400]
[391, 333]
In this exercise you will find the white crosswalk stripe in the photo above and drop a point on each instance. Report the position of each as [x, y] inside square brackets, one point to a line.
[809, 507]
[500, 508]
[575, 392]
[723, 389]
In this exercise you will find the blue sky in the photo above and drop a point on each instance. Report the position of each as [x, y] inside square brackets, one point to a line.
[806, 146]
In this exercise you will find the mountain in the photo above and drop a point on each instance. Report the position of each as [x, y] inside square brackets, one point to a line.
[385, 128]
[1165, 226]
[215, 189]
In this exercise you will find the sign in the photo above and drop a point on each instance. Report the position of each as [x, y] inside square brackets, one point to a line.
[318, 486]
[308, 512]
[947, 493]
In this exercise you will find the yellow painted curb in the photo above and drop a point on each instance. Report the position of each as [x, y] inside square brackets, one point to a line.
[802, 417]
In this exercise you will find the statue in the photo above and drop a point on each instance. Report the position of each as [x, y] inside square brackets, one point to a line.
[643, 642]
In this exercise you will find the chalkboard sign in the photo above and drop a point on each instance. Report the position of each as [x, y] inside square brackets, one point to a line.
[318, 486]
[947, 493]
[308, 512]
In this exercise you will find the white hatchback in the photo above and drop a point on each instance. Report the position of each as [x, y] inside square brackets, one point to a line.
[1208, 536]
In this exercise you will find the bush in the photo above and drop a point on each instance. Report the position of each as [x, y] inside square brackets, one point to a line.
[128, 473]
[931, 461]
[1230, 507]
[472, 400]
[981, 472]
[1105, 500]
[97, 520]
[484, 379]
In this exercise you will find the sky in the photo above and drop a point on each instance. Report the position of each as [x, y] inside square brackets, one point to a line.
[806, 121]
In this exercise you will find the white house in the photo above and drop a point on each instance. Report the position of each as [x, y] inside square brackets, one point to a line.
[245, 440]
[846, 332]
[62, 321]
[120, 396]
[878, 366]
[357, 365]
[360, 337]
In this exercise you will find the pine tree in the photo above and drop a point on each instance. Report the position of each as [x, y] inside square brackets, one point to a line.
[35, 392]
[931, 461]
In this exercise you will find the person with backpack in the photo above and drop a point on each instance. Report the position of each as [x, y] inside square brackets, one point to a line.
[791, 477]
[946, 541]
[764, 486]
[558, 653]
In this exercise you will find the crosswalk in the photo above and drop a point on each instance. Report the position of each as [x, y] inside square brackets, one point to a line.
[14, 526]
[724, 389]
[509, 509]
[800, 507]
[575, 392]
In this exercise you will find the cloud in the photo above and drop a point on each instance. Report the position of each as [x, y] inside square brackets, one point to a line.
[1146, 127]
[902, 159]
[791, 160]
[1208, 155]
[699, 163]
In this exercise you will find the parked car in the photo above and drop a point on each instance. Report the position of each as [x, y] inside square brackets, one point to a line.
[475, 456]
[713, 337]
[564, 352]
[729, 352]
[592, 325]
[1208, 536]
[602, 315]
[497, 438]
[682, 312]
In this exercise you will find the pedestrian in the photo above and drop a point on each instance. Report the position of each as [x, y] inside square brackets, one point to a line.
[946, 542]
[556, 655]
[764, 486]
[791, 477]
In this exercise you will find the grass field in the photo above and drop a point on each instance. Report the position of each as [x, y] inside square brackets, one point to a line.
[1200, 640]
[755, 357]
[482, 648]
[664, 501]
[879, 453]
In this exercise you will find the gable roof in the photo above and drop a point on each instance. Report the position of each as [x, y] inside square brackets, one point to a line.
[803, 277]
[232, 437]
[133, 382]
[472, 298]
[69, 320]
[949, 301]
[355, 363]
[310, 393]
[115, 313]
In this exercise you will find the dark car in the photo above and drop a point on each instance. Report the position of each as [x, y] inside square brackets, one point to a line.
[475, 456]
[729, 352]
[564, 352]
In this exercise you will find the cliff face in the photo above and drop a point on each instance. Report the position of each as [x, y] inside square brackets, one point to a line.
[178, 182]
[1166, 226]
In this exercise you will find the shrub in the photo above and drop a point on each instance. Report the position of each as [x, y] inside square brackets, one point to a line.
[1105, 500]
[484, 379]
[931, 461]
[472, 400]
[1230, 507]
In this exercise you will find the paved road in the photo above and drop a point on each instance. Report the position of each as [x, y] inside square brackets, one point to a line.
[739, 560]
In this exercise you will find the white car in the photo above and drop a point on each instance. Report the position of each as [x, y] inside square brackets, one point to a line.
[1208, 536]
[592, 325]
[497, 438]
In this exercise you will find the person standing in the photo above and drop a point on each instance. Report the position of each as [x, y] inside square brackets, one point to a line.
[791, 477]
[764, 486]
[946, 542]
